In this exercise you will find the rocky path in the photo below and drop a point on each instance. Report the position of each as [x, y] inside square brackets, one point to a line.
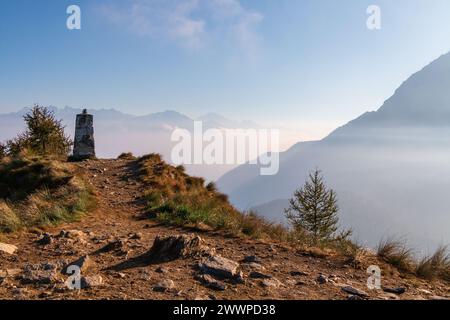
[111, 246]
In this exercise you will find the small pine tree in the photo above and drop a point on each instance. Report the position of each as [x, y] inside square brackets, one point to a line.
[314, 209]
[44, 135]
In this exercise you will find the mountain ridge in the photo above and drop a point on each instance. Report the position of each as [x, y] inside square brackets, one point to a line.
[378, 163]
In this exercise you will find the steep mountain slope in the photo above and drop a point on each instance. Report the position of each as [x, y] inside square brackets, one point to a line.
[389, 167]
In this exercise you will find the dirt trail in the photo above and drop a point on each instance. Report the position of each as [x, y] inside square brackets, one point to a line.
[118, 220]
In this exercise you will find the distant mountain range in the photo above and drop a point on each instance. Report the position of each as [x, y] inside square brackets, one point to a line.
[117, 132]
[390, 168]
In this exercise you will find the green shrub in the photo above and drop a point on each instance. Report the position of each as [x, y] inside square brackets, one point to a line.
[44, 135]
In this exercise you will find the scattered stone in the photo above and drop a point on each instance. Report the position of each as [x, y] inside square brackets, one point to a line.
[298, 273]
[221, 267]
[201, 298]
[291, 282]
[424, 291]
[322, 279]
[9, 273]
[400, 290]
[39, 274]
[162, 270]
[259, 275]
[164, 286]
[254, 265]
[8, 248]
[389, 296]
[251, 259]
[354, 291]
[144, 275]
[171, 248]
[271, 283]
[72, 234]
[91, 281]
[210, 282]
[115, 245]
[45, 239]
[136, 236]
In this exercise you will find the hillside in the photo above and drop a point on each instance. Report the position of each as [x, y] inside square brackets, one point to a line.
[389, 167]
[112, 244]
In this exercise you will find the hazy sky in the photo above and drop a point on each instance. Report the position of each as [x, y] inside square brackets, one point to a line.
[311, 64]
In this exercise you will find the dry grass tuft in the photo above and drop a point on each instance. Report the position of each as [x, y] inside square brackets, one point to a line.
[9, 221]
[436, 265]
[126, 156]
[395, 252]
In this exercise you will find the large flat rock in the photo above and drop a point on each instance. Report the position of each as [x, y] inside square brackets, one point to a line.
[8, 248]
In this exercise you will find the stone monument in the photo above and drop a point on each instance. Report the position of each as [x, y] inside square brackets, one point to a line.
[84, 145]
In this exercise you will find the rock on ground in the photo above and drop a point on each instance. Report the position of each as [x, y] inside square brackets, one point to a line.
[8, 248]
[271, 283]
[250, 259]
[171, 248]
[259, 275]
[91, 281]
[400, 290]
[322, 279]
[9, 273]
[221, 267]
[45, 239]
[164, 285]
[212, 283]
[354, 291]
[40, 274]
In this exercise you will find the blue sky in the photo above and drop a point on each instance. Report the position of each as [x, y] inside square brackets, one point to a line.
[309, 64]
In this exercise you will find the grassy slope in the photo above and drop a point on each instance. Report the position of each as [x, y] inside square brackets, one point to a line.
[36, 191]
[179, 199]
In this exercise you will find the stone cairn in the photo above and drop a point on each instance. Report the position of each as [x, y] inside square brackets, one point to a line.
[84, 144]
